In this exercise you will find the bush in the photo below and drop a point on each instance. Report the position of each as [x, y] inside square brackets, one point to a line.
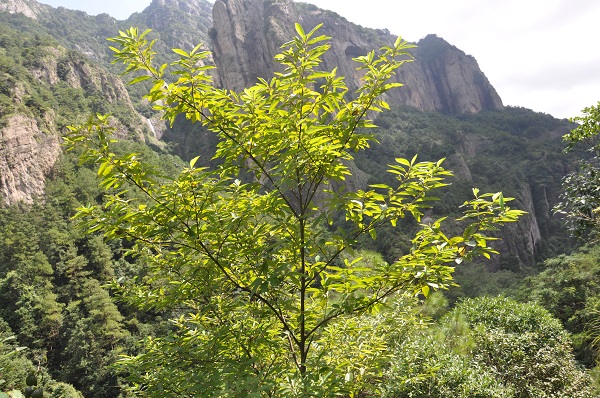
[525, 347]
[488, 347]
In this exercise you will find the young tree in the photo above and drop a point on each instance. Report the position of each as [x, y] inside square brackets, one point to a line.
[249, 256]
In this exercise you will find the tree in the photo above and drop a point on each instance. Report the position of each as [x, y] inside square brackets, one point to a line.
[249, 257]
[29, 303]
[568, 288]
[488, 347]
[581, 197]
[15, 368]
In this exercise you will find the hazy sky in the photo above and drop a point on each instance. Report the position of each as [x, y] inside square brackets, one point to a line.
[542, 55]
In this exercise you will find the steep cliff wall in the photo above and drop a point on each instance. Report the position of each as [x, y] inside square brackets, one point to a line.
[247, 35]
[45, 92]
[29, 8]
[522, 238]
[180, 23]
[27, 153]
[452, 79]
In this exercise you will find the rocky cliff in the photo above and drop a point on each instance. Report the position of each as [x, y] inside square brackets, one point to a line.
[180, 23]
[43, 88]
[29, 8]
[27, 154]
[247, 34]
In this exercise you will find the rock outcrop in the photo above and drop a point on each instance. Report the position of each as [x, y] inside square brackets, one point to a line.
[28, 8]
[247, 34]
[27, 154]
[30, 135]
[519, 241]
[452, 79]
[181, 23]
[57, 64]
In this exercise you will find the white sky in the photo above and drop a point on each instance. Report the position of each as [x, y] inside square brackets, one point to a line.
[539, 54]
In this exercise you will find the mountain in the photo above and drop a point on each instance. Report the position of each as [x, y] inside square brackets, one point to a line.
[244, 36]
[181, 23]
[248, 33]
[514, 150]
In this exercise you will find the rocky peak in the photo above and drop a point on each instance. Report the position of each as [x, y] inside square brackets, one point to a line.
[247, 34]
[28, 8]
[190, 7]
[459, 82]
[180, 23]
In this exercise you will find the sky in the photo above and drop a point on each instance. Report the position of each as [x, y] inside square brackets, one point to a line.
[538, 54]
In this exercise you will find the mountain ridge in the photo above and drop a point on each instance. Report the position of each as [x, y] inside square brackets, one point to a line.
[245, 35]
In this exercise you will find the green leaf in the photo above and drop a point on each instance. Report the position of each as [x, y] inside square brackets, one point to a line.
[193, 161]
[299, 30]
[139, 79]
[179, 51]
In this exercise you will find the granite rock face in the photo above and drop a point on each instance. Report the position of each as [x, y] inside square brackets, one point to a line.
[27, 155]
[181, 23]
[247, 34]
[29, 8]
[30, 139]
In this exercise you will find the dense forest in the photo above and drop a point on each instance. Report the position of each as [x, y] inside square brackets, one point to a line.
[274, 243]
